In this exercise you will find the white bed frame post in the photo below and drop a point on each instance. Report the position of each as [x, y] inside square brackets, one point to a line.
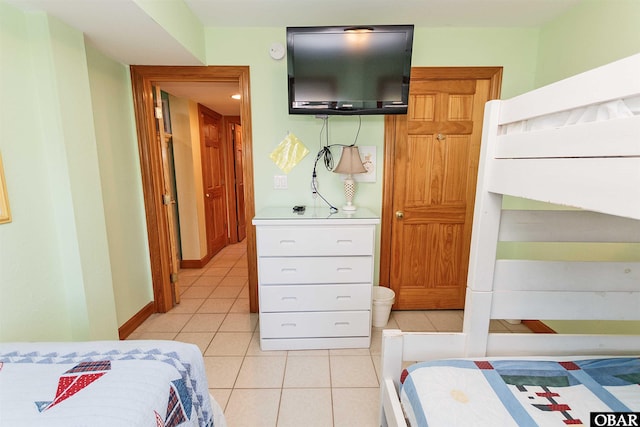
[484, 243]
[392, 353]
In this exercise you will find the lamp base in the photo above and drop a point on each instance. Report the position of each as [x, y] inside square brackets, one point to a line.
[349, 192]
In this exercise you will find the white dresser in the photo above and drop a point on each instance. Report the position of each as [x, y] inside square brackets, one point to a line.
[315, 278]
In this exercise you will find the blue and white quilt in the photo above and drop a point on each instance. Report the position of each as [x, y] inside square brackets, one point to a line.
[516, 392]
[105, 383]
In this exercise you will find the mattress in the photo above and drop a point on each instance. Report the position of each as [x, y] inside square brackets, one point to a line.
[105, 383]
[516, 392]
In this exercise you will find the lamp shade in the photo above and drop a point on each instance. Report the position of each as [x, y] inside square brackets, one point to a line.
[350, 161]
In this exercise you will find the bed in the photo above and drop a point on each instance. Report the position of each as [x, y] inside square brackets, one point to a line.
[105, 383]
[573, 145]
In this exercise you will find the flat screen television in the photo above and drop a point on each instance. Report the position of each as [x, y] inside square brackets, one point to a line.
[354, 70]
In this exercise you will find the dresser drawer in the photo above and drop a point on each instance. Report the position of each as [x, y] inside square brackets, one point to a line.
[315, 324]
[290, 271]
[315, 240]
[315, 297]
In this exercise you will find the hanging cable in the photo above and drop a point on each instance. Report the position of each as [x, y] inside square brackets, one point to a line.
[314, 180]
[358, 132]
[327, 157]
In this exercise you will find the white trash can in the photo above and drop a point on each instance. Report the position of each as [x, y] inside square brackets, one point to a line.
[383, 299]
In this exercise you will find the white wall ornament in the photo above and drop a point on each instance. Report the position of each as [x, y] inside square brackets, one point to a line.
[368, 156]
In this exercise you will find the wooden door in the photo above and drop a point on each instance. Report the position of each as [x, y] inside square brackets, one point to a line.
[169, 194]
[431, 161]
[213, 179]
[238, 167]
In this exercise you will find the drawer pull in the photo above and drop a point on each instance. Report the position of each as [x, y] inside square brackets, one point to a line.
[339, 297]
[289, 298]
[342, 323]
[289, 270]
[344, 269]
[287, 242]
[288, 325]
[344, 242]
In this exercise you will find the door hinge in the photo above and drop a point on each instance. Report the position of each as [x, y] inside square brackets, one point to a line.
[166, 199]
[173, 277]
[158, 112]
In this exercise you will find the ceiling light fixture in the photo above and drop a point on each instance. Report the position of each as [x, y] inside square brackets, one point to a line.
[358, 30]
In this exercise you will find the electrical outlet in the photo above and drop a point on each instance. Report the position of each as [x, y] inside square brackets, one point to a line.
[280, 182]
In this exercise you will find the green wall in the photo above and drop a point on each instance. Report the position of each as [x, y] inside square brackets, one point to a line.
[56, 278]
[514, 49]
[32, 279]
[74, 260]
[121, 183]
[594, 33]
[178, 20]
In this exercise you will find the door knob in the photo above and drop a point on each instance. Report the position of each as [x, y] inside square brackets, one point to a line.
[399, 214]
[207, 195]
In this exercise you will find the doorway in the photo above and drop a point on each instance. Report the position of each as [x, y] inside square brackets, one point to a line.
[143, 79]
[430, 163]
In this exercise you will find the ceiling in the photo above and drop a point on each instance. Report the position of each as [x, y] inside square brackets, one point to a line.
[216, 96]
[421, 13]
[124, 31]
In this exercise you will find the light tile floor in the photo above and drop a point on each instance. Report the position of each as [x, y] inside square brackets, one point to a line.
[278, 388]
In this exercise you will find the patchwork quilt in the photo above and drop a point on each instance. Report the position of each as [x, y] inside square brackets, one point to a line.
[104, 383]
[515, 392]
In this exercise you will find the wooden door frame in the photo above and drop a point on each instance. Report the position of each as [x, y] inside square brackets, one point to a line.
[494, 74]
[143, 77]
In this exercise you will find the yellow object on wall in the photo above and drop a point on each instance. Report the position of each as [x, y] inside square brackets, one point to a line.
[289, 153]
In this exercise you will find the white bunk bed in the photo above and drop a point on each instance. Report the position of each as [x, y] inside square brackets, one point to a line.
[574, 143]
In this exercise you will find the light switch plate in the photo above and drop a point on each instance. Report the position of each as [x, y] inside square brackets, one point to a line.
[280, 182]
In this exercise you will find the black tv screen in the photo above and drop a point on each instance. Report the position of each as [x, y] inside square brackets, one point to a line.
[349, 70]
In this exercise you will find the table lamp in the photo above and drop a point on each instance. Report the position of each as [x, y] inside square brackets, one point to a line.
[349, 164]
